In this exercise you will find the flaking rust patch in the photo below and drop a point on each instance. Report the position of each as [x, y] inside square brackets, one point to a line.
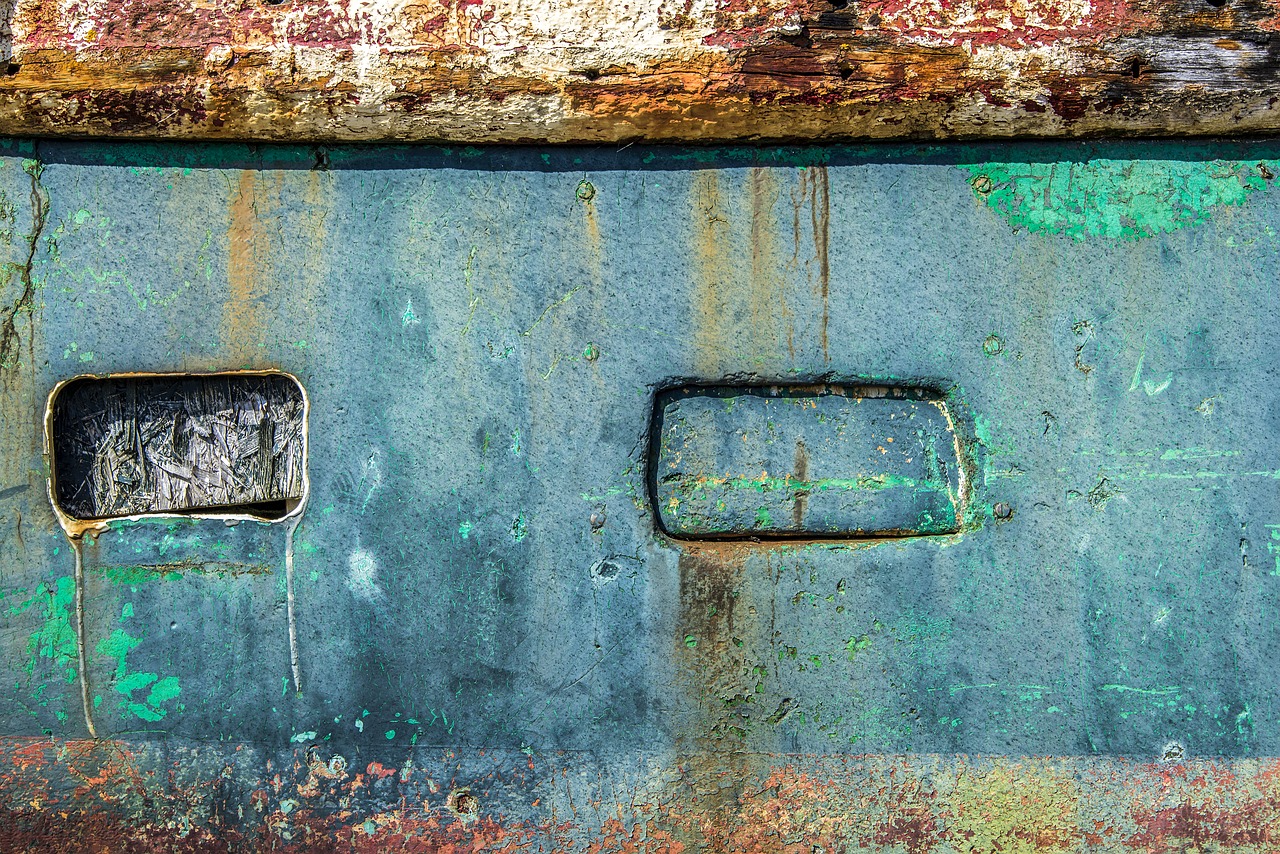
[719, 647]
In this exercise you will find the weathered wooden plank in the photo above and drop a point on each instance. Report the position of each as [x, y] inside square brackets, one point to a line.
[583, 70]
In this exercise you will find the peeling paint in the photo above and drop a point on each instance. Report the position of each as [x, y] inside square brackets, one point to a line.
[1117, 199]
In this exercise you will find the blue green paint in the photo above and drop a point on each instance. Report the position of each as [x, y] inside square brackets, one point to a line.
[1118, 199]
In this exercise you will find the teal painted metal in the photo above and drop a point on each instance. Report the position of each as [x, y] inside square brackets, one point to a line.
[482, 333]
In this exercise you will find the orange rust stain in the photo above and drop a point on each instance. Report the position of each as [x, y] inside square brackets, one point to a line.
[821, 218]
[595, 250]
[713, 332]
[740, 309]
[242, 313]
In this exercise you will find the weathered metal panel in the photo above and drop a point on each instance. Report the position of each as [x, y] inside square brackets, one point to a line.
[476, 635]
[473, 71]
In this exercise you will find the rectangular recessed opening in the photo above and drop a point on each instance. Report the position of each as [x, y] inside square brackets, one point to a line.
[229, 444]
[804, 462]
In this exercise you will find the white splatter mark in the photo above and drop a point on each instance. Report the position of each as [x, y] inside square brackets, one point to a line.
[362, 575]
[371, 478]
[409, 318]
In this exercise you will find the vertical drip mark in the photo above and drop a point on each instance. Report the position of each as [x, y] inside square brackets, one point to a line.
[77, 545]
[293, 623]
[802, 477]
[821, 216]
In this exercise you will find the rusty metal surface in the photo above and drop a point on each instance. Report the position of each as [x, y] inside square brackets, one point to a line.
[475, 635]
[668, 70]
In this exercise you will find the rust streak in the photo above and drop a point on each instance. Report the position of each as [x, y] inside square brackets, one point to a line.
[241, 319]
[821, 216]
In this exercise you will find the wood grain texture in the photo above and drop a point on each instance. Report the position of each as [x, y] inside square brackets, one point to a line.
[657, 70]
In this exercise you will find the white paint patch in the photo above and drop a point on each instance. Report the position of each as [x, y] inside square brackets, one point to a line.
[362, 575]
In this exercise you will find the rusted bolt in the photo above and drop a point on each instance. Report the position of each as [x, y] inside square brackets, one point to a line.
[586, 192]
[983, 184]
[993, 346]
[597, 520]
[1173, 752]
[1264, 171]
[463, 803]
[1002, 511]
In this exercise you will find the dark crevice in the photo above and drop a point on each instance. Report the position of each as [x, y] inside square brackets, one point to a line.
[9, 338]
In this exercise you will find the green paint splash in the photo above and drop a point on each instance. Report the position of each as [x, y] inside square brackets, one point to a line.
[56, 637]
[1119, 199]
[149, 706]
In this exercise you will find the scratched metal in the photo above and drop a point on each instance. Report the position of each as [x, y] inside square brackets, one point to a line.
[497, 647]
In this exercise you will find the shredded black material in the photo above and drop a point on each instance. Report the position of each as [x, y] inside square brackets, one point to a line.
[129, 446]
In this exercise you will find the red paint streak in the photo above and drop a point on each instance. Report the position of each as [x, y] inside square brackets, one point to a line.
[742, 23]
[1013, 23]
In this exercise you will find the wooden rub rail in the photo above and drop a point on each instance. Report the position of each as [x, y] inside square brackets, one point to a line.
[665, 70]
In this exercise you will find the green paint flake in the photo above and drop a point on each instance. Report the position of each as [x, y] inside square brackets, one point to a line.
[464, 529]
[128, 684]
[691, 641]
[857, 645]
[1117, 199]
[390, 734]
